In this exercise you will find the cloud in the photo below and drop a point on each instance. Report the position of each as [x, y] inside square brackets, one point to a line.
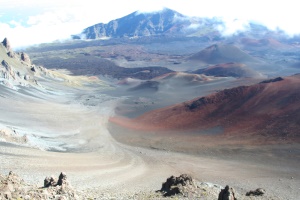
[57, 22]
[194, 26]
[46, 27]
[49, 20]
[232, 26]
[280, 14]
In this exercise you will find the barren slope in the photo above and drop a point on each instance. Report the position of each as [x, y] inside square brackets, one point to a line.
[222, 53]
[268, 109]
[229, 69]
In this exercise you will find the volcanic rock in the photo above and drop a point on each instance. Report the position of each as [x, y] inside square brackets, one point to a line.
[6, 43]
[227, 194]
[178, 185]
[11, 54]
[60, 188]
[10, 185]
[50, 181]
[25, 58]
[6, 65]
[272, 80]
[8, 72]
[27, 77]
[33, 69]
[62, 179]
[257, 192]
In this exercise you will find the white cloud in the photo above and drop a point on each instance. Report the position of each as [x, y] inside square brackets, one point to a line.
[47, 27]
[14, 23]
[59, 19]
[194, 26]
[233, 26]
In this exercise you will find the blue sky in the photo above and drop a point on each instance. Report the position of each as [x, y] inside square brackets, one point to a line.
[27, 22]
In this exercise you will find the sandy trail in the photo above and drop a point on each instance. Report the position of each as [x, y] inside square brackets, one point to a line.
[79, 143]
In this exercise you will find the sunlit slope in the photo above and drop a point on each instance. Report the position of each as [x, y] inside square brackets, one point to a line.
[269, 109]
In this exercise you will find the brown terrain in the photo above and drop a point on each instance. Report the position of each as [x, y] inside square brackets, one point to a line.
[268, 110]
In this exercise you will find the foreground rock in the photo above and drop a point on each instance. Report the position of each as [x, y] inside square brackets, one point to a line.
[178, 185]
[185, 187]
[182, 187]
[257, 192]
[227, 193]
[13, 187]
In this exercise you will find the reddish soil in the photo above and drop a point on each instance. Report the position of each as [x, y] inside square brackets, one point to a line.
[270, 110]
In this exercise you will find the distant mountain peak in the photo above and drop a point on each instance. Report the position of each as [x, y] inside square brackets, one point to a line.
[140, 23]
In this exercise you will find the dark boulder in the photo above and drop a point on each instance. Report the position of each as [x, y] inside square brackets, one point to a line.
[62, 179]
[11, 54]
[177, 185]
[257, 192]
[50, 181]
[227, 194]
[33, 69]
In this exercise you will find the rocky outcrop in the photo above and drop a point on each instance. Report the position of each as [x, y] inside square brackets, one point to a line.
[62, 179]
[11, 54]
[227, 193]
[8, 72]
[6, 44]
[12, 136]
[52, 181]
[257, 192]
[33, 69]
[10, 186]
[27, 77]
[178, 185]
[13, 187]
[6, 65]
[25, 58]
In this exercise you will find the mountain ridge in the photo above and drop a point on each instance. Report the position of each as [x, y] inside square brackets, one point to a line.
[137, 24]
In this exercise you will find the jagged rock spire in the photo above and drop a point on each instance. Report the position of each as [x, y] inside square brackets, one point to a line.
[6, 43]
